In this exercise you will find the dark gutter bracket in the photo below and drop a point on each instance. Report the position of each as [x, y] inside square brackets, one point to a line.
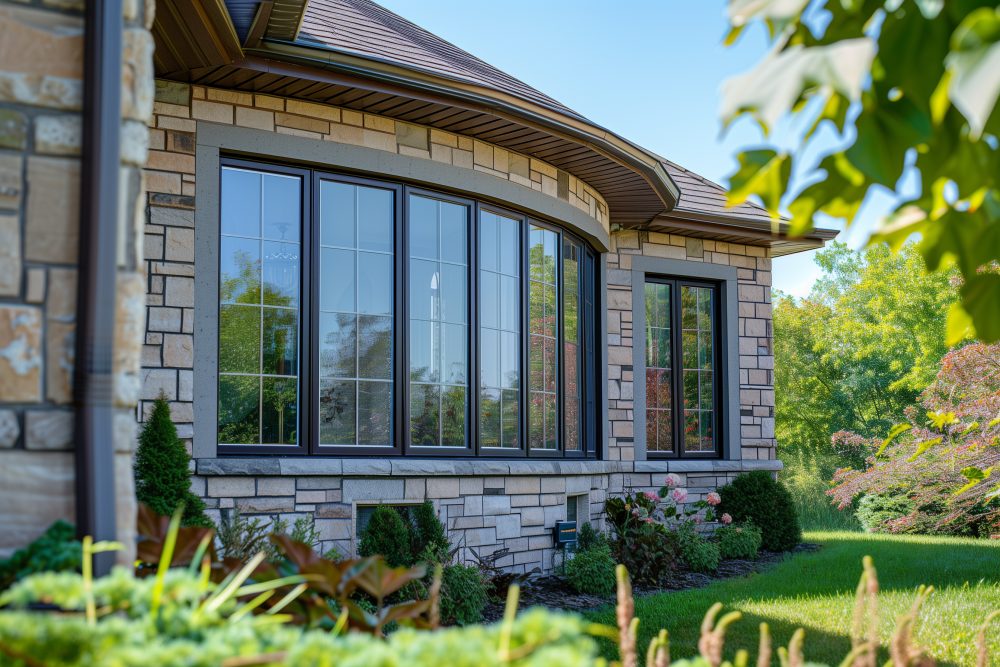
[95, 311]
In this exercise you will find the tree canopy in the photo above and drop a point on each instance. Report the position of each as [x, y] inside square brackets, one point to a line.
[910, 88]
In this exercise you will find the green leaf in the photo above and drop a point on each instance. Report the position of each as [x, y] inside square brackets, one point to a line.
[922, 448]
[980, 298]
[894, 432]
[941, 420]
[960, 327]
[763, 173]
[974, 63]
[975, 476]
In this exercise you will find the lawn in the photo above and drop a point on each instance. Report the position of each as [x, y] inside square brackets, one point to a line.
[815, 591]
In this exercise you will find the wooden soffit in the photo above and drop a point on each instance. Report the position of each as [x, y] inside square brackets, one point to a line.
[191, 34]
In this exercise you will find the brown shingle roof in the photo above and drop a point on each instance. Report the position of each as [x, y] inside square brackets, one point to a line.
[366, 29]
[700, 195]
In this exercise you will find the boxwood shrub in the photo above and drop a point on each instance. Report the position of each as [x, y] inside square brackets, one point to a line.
[757, 497]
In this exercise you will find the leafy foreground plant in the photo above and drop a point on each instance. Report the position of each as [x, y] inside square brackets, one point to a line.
[181, 617]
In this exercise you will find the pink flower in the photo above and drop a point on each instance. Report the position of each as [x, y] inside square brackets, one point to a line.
[679, 495]
[649, 519]
[726, 519]
[713, 499]
[652, 496]
[671, 481]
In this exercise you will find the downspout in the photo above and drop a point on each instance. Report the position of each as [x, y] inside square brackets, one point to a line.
[95, 310]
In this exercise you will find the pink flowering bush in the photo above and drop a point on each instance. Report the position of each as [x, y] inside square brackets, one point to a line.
[941, 469]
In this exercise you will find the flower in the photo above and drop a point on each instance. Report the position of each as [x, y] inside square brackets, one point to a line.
[726, 519]
[652, 496]
[679, 495]
[671, 481]
[649, 519]
[713, 499]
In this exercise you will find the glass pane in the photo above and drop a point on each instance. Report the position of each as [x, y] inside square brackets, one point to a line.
[425, 406]
[439, 356]
[279, 411]
[337, 414]
[659, 392]
[280, 345]
[281, 274]
[375, 217]
[356, 334]
[239, 406]
[336, 275]
[698, 341]
[510, 418]
[239, 270]
[239, 339]
[489, 242]
[337, 345]
[240, 211]
[542, 341]
[337, 214]
[572, 354]
[489, 299]
[374, 283]
[281, 207]
[374, 347]
[489, 418]
[259, 274]
[489, 358]
[374, 413]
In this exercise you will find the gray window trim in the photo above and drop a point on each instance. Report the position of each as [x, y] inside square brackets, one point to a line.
[214, 139]
[726, 276]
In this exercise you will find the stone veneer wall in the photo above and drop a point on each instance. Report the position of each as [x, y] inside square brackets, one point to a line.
[486, 504]
[41, 97]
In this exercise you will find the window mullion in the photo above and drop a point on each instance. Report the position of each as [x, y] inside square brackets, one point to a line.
[402, 316]
[677, 377]
[472, 317]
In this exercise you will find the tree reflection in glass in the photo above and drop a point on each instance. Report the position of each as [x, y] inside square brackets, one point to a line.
[543, 329]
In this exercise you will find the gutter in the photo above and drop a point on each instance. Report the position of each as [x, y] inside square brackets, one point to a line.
[97, 264]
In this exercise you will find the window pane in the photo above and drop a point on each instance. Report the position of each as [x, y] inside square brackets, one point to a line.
[500, 330]
[659, 416]
[259, 274]
[439, 329]
[355, 321]
[542, 341]
[572, 354]
[697, 336]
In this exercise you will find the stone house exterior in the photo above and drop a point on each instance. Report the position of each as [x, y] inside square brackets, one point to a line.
[379, 270]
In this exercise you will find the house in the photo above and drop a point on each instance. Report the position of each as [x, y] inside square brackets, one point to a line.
[380, 270]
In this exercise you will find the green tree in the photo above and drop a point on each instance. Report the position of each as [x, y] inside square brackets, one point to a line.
[162, 473]
[910, 88]
[861, 347]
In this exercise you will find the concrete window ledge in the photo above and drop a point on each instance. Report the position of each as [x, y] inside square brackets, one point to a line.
[380, 467]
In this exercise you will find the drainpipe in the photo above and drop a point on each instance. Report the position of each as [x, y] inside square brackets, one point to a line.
[95, 310]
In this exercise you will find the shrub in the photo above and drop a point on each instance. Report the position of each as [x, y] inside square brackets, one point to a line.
[876, 510]
[698, 553]
[592, 571]
[588, 538]
[463, 595]
[387, 535]
[648, 551]
[739, 541]
[241, 537]
[56, 550]
[757, 497]
[429, 539]
[162, 469]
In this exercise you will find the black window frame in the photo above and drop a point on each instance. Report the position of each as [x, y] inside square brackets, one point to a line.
[589, 297]
[677, 376]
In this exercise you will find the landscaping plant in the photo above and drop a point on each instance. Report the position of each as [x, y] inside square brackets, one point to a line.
[757, 497]
[162, 469]
[388, 536]
[591, 570]
[697, 552]
[56, 550]
[740, 540]
[463, 595]
[181, 617]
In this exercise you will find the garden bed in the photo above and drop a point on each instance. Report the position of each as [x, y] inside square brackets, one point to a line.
[554, 592]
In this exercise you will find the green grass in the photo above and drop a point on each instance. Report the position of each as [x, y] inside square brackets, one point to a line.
[815, 591]
[805, 476]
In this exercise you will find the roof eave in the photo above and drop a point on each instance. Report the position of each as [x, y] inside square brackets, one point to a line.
[750, 231]
[597, 138]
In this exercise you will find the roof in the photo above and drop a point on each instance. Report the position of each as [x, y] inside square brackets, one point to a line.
[357, 54]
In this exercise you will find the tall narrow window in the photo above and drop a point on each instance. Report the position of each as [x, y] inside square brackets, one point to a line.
[439, 357]
[572, 352]
[259, 274]
[499, 330]
[355, 315]
[682, 409]
[543, 331]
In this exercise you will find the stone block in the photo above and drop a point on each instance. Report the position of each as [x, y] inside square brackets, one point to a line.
[416, 489]
[277, 486]
[384, 490]
[171, 216]
[258, 119]
[473, 505]
[36, 488]
[13, 129]
[11, 181]
[179, 292]
[48, 429]
[60, 303]
[178, 350]
[508, 526]
[10, 429]
[522, 485]
[215, 112]
[172, 92]
[20, 354]
[52, 231]
[228, 487]
[10, 255]
[493, 505]
[269, 505]
[442, 487]
[334, 529]
[58, 135]
[42, 56]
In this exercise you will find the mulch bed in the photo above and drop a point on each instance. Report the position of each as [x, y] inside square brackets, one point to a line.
[555, 592]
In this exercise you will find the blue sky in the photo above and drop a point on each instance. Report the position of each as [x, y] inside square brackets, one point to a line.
[649, 70]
